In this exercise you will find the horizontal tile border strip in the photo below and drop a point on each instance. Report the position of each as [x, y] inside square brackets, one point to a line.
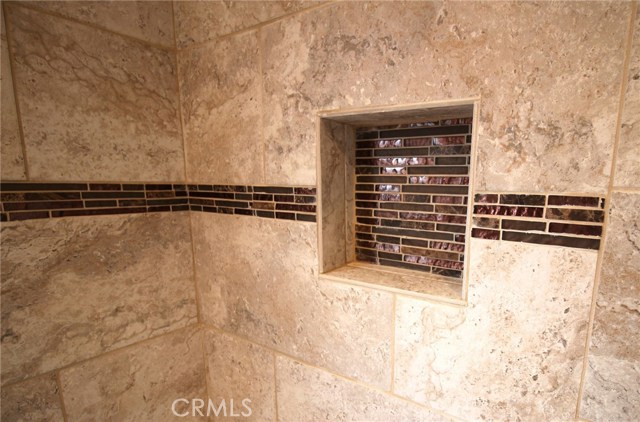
[37, 200]
[573, 221]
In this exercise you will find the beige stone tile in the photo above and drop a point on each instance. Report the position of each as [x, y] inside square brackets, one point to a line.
[137, 383]
[239, 370]
[220, 89]
[150, 21]
[36, 399]
[310, 394]
[548, 76]
[427, 286]
[334, 192]
[516, 351]
[258, 278]
[75, 288]
[628, 161]
[12, 165]
[94, 105]
[611, 384]
[200, 21]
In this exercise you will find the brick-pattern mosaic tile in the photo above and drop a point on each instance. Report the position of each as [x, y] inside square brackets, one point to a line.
[24, 201]
[412, 184]
[547, 219]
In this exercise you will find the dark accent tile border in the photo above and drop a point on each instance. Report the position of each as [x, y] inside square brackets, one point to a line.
[26, 201]
[574, 221]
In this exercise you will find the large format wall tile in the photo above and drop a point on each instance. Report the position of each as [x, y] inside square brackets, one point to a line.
[258, 278]
[238, 370]
[12, 164]
[612, 383]
[199, 21]
[628, 161]
[36, 399]
[139, 383]
[75, 288]
[94, 105]
[150, 21]
[516, 351]
[548, 76]
[220, 86]
[309, 394]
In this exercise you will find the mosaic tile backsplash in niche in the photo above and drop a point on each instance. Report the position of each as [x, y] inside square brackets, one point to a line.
[412, 183]
[27, 201]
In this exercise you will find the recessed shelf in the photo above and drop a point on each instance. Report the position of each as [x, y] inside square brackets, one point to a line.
[413, 283]
[345, 217]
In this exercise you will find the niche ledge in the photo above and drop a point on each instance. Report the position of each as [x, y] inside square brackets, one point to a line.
[407, 282]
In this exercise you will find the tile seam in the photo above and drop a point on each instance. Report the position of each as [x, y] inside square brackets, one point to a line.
[27, 6]
[628, 42]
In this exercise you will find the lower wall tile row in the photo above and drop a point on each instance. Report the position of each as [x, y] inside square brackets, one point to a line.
[274, 298]
[138, 383]
[149, 380]
[464, 361]
[27, 201]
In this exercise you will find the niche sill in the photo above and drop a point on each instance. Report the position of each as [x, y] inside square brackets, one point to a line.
[397, 280]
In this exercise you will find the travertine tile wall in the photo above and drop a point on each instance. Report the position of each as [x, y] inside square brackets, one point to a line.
[549, 78]
[99, 315]
[98, 92]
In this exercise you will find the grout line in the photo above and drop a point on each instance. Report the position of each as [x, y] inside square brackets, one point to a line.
[105, 354]
[541, 193]
[205, 359]
[275, 386]
[12, 65]
[63, 406]
[179, 92]
[262, 108]
[26, 5]
[393, 343]
[193, 263]
[256, 27]
[329, 371]
[607, 211]
[155, 182]
[626, 189]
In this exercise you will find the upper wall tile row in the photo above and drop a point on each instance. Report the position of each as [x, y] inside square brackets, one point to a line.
[220, 90]
[628, 162]
[94, 105]
[12, 166]
[348, 53]
[548, 89]
[150, 21]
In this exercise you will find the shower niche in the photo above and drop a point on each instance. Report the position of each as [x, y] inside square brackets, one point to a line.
[393, 195]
